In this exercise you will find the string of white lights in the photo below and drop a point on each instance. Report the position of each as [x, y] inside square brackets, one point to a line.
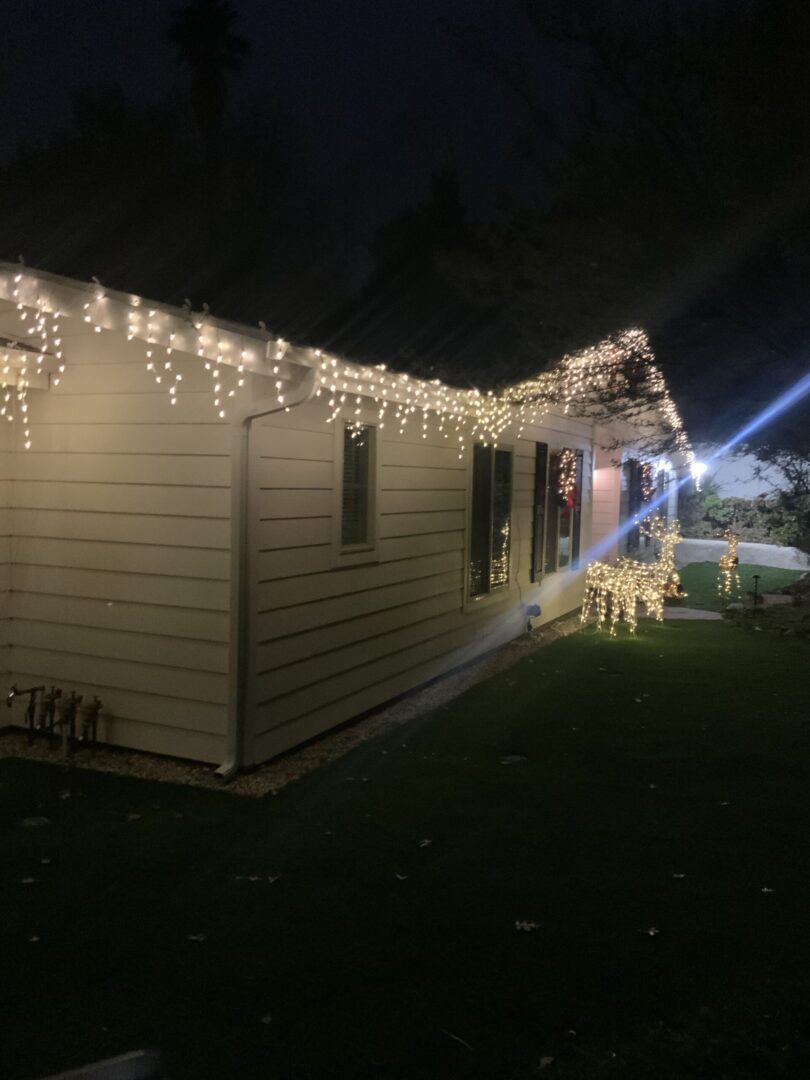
[614, 590]
[566, 473]
[616, 367]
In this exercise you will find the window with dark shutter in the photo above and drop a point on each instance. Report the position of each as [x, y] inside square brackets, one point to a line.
[576, 523]
[662, 494]
[480, 520]
[501, 519]
[564, 509]
[490, 520]
[631, 502]
[552, 513]
[540, 499]
[356, 495]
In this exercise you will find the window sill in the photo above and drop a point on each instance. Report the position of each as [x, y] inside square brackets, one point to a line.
[560, 570]
[485, 600]
[360, 555]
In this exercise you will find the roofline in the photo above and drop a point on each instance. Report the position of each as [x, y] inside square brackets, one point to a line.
[256, 351]
[128, 298]
[112, 310]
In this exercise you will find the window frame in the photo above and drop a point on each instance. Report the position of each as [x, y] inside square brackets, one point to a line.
[631, 506]
[551, 542]
[473, 600]
[542, 461]
[368, 552]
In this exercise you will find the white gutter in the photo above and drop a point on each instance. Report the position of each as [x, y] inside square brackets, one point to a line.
[244, 551]
[90, 305]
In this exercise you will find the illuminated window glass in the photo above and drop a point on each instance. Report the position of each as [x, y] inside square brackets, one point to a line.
[490, 520]
[564, 510]
[358, 446]
[539, 509]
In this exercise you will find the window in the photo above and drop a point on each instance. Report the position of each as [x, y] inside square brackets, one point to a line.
[662, 494]
[540, 502]
[564, 510]
[357, 493]
[631, 500]
[490, 520]
[576, 534]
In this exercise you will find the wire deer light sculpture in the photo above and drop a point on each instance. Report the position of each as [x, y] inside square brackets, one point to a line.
[615, 589]
[728, 576]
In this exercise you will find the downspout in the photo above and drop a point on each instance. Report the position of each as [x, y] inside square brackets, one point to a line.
[243, 548]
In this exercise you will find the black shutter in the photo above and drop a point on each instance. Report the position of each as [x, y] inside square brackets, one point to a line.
[662, 493]
[552, 513]
[540, 497]
[480, 520]
[577, 522]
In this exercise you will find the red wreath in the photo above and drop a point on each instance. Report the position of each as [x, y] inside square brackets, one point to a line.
[569, 501]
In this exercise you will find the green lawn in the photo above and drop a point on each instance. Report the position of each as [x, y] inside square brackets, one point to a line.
[666, 786]
[700, 582]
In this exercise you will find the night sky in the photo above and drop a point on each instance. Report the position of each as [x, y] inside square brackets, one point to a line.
[368, 99]
[375, 93]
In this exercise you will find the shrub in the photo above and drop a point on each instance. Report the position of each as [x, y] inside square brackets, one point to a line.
[781, 518]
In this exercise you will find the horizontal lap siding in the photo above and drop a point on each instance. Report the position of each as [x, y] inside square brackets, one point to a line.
[327, 634]
[120, 550]
[332, 641]
[300, 715]
[5, 554]
[308, 611]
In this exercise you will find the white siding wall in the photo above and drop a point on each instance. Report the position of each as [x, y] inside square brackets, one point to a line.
[115, 542]
[606, 493]
[120, 543]
[5, 552]
[332, 642]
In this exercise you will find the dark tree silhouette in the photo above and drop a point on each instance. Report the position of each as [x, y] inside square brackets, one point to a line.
[203, 35]
[677, 199]
[407, 313]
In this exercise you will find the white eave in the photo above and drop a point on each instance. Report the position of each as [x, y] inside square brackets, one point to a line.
[85, 309]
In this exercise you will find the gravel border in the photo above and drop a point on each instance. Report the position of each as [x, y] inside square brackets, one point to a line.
[272, 777]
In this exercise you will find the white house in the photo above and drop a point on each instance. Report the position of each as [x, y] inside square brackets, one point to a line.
[238, 544]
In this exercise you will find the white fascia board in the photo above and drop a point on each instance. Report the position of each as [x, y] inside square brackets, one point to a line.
[91, 305]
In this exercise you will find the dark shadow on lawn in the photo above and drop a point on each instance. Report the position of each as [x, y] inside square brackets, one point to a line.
[363, 922]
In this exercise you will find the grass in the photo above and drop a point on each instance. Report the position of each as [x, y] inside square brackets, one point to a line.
[682, 751]
[782, 619]
[700, 582]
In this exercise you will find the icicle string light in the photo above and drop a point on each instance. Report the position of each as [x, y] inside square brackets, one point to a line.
[465, 416]
[620, 368]
[26, 358]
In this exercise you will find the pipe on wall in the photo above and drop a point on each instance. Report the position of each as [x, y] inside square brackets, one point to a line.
[244, 550]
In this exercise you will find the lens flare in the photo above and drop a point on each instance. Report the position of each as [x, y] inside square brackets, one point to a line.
[785, 401]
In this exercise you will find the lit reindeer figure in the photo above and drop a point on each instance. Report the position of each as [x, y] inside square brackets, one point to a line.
[616, 588]
[728, 576]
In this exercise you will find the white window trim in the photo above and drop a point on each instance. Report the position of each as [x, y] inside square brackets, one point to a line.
[587, 471]
[502, 592]
[553, 450]
[356, 554]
